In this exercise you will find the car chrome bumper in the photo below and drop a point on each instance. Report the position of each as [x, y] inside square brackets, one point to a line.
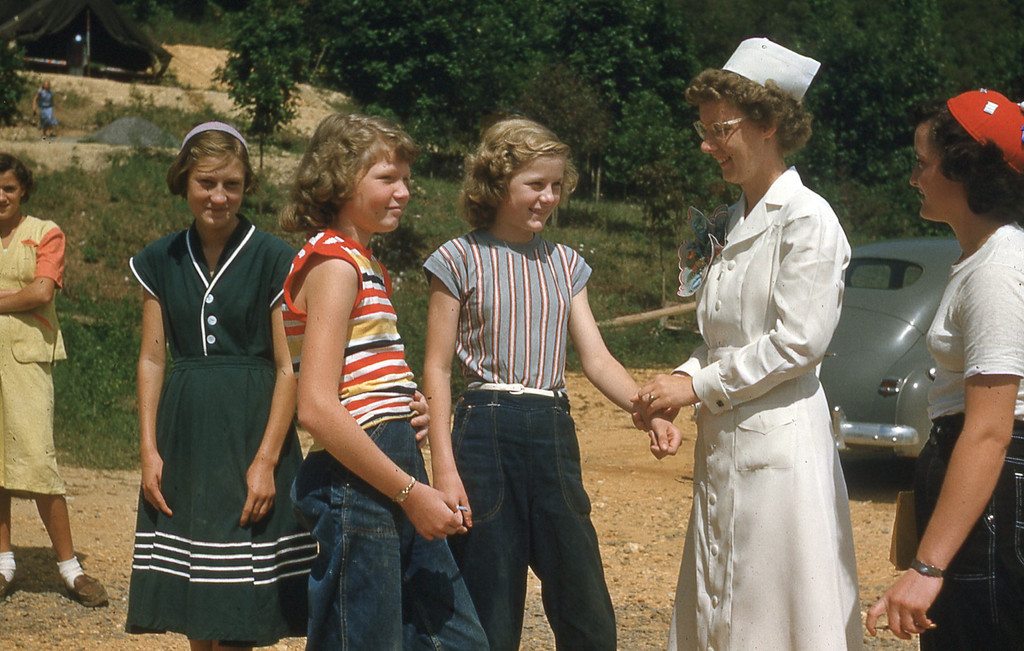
[877, 435]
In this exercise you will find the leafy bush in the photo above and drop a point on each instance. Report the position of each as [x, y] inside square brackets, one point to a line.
[12, 84]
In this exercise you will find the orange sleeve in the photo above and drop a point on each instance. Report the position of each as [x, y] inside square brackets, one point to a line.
[50, 257]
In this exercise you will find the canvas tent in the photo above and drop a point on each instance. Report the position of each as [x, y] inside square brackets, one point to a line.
[82, 37]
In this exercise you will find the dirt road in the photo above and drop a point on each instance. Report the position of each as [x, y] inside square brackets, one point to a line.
[640, 509]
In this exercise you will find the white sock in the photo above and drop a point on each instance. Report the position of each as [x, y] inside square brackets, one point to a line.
[69, 571]
[7, 565]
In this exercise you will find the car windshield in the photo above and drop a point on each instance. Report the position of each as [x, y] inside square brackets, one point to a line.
[880, 273]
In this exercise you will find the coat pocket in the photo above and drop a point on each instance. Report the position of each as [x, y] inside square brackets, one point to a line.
[34, 340]
[765, 439]
[33, 351]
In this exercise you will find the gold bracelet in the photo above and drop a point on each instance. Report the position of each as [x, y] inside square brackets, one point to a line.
[404, 493]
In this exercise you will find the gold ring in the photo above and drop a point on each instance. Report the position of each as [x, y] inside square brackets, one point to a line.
[650, 397]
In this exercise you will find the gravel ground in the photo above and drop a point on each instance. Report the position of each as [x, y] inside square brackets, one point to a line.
[640, 508]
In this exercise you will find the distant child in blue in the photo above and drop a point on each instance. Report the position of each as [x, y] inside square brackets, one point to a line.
[506, 302]
[43, 103]
[384, 577]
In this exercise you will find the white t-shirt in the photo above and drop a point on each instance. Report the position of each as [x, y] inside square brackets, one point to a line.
[979, 326]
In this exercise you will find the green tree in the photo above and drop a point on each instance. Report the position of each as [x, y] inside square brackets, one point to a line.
[438, 66]
[563, 101]
[659, 186]
[12, 84]
[638, 56]
[878, 64]
[988, 45]
[267, 59]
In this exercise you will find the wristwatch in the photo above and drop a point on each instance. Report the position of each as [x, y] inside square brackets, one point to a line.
[924, 569]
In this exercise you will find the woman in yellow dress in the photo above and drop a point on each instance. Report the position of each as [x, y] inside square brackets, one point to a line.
[31, 270]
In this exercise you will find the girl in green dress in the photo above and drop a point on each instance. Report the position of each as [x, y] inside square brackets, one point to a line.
[218, 555]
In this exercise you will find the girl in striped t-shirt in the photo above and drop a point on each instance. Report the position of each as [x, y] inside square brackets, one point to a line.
[506, 302]
[384, 577]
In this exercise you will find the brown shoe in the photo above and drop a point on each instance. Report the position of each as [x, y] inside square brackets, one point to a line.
[89, 592]
[5, 586]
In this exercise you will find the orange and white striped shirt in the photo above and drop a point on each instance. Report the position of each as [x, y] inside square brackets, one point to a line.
[376, 383]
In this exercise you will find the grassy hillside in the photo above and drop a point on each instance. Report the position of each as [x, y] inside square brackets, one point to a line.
[110, 214]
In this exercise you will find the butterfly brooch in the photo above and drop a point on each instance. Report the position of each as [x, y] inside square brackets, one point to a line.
[697, 255]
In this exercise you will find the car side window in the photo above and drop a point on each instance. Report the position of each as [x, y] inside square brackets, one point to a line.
[877, 273]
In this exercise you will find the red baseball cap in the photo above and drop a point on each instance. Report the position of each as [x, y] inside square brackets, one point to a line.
[990, 117]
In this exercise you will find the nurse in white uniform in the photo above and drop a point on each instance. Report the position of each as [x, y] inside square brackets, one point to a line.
[768, 560]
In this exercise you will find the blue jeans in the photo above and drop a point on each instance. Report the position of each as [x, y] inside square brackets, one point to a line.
[376, 583]
[520, 464]
[981, 604]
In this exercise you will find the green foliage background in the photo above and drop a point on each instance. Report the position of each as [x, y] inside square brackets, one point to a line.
[445, 67]
[12, 84]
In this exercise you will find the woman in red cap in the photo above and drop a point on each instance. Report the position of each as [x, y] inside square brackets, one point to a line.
[965, 589]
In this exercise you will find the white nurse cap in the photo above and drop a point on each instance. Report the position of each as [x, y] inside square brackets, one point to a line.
[759, 59]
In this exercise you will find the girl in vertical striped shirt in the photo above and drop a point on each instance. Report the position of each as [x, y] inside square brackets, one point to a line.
[384, 577]
[506, 302]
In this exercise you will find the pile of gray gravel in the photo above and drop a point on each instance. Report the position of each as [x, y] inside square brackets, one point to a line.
[133, 132]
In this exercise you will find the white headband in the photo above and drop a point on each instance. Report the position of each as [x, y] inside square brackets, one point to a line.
[215, 126]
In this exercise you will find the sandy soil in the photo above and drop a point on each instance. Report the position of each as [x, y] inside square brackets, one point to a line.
[640, 508]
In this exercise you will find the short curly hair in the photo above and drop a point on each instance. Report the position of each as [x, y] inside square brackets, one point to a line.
[765, 105]
[343, 148]
[9, 163]
[208, 144]
[991, 185]
[504, 149]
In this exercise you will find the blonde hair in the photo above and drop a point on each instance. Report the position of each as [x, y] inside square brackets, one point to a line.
[764, 105]
[342, 149]
[505, 148]
[208, 144]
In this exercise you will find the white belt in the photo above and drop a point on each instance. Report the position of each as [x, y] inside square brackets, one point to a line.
[515, 389]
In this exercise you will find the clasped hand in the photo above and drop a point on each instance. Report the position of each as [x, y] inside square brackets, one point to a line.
[656, 405]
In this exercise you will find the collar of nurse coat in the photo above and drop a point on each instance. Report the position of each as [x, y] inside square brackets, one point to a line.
[761, 215]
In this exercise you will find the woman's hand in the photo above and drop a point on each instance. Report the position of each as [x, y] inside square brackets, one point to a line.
[662, 397]
[259, 500]
[665, 436]
[971, 476]
[665, 392]
[152, 477]
[450, 485]
[421, 421]
[906, 605]
[431, 513]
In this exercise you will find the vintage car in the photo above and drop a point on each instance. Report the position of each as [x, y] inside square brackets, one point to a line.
[877, 371]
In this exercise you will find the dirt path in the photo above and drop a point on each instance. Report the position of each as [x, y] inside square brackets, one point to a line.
[640, 509]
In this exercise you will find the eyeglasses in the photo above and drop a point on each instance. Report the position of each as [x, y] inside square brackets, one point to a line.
[717, 131]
